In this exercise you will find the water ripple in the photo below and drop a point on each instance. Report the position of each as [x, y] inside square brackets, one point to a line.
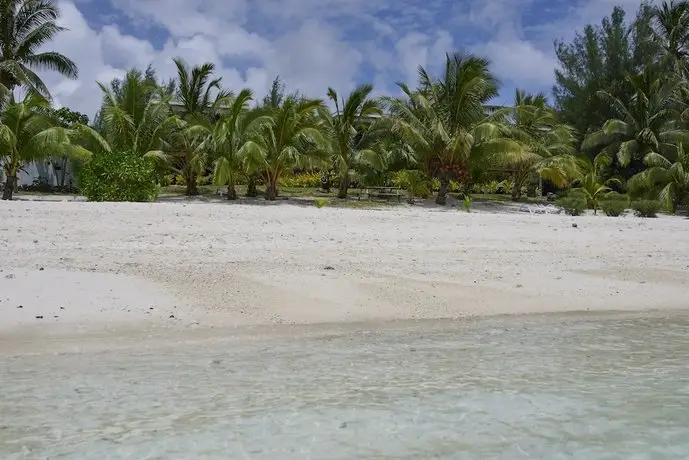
[551, 387]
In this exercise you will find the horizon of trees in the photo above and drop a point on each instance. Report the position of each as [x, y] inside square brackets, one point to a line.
[620, 103]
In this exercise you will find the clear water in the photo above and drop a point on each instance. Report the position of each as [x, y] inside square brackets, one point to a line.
[547, 387]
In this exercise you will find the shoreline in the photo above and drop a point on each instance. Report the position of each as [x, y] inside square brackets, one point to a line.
[129, 264]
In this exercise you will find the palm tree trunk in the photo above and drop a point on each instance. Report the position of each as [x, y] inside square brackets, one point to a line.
[674, 204]
[344, 186]
[192, 189]
[516, 186]
[63, 171]
[271, 190]
[441, 199]
[251, 186]
[10, 183]
[231, 191]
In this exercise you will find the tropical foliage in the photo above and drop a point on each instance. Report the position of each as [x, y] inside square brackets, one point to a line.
[118, 176]
[29, 131]
[292, 136]
[351, 131]
[616, 128]
[445, 120]
[546, 145]
[26, 27]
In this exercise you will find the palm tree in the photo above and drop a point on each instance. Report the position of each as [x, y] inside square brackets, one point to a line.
[645, 124]
[198, 99]
[293, 137]
[547, 146]
[229, 141]
[26, 26]
[29, 131]
[137, 116]
[590, 181]
[666, 178]
[272, 101]
[349, 130]
[671, 34]
[445, 122]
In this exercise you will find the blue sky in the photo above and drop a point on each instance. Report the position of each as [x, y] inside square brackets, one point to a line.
[314, 44]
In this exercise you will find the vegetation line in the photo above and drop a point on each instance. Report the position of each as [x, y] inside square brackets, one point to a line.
[613, 138]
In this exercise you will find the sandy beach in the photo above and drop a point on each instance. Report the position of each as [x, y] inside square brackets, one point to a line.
[74, 266]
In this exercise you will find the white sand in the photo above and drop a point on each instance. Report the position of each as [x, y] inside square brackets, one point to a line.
[219, 264]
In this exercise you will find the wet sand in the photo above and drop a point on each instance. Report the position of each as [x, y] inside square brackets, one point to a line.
[74, 266]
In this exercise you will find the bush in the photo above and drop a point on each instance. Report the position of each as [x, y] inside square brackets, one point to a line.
[467, 203]
[204, 180]
[614, 204]
[303, 180]
[119, 176]
[646, 208]
[321, 202]
[413, 181]
[574, 204]
[456, 187]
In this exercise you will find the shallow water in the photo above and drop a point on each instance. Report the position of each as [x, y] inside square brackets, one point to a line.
[593, 387]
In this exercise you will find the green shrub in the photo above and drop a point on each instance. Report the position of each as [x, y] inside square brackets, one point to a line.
[467, 203]
[496, 187]
[119, 176]
[489, 188]
[204, 180]
[303, 180]
[573, 203]
[646, 208]
[456, 187]
[614, 204]
[321, 202]
[165, 179]
[413, 181]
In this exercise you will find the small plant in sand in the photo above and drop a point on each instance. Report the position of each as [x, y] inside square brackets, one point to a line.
[321, 202]
[646, 208]
[574, 203]
[467, 203]
[614, 204]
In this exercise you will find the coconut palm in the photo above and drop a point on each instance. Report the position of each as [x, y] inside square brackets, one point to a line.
[137, 116]
[349, 129]
[199, 99]
[547, 146]
[29, 131]
[271, 101]
[25, 28]
[590, 181]
[645, 124]
[667, 178]
[445, 122]
[292, 137]
[229, 141]
[671, 34]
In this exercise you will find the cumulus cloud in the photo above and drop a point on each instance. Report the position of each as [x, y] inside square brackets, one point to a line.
[311, 44]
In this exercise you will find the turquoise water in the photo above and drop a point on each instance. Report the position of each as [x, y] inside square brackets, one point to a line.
[550, 387]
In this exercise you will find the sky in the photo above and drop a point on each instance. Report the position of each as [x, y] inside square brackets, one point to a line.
[314, 44]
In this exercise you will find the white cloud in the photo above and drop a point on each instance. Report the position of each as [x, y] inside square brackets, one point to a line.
[311, 44]
[418, 49]
[519, 62]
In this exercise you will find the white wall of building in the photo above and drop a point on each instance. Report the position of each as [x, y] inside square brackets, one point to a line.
[43, 170]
